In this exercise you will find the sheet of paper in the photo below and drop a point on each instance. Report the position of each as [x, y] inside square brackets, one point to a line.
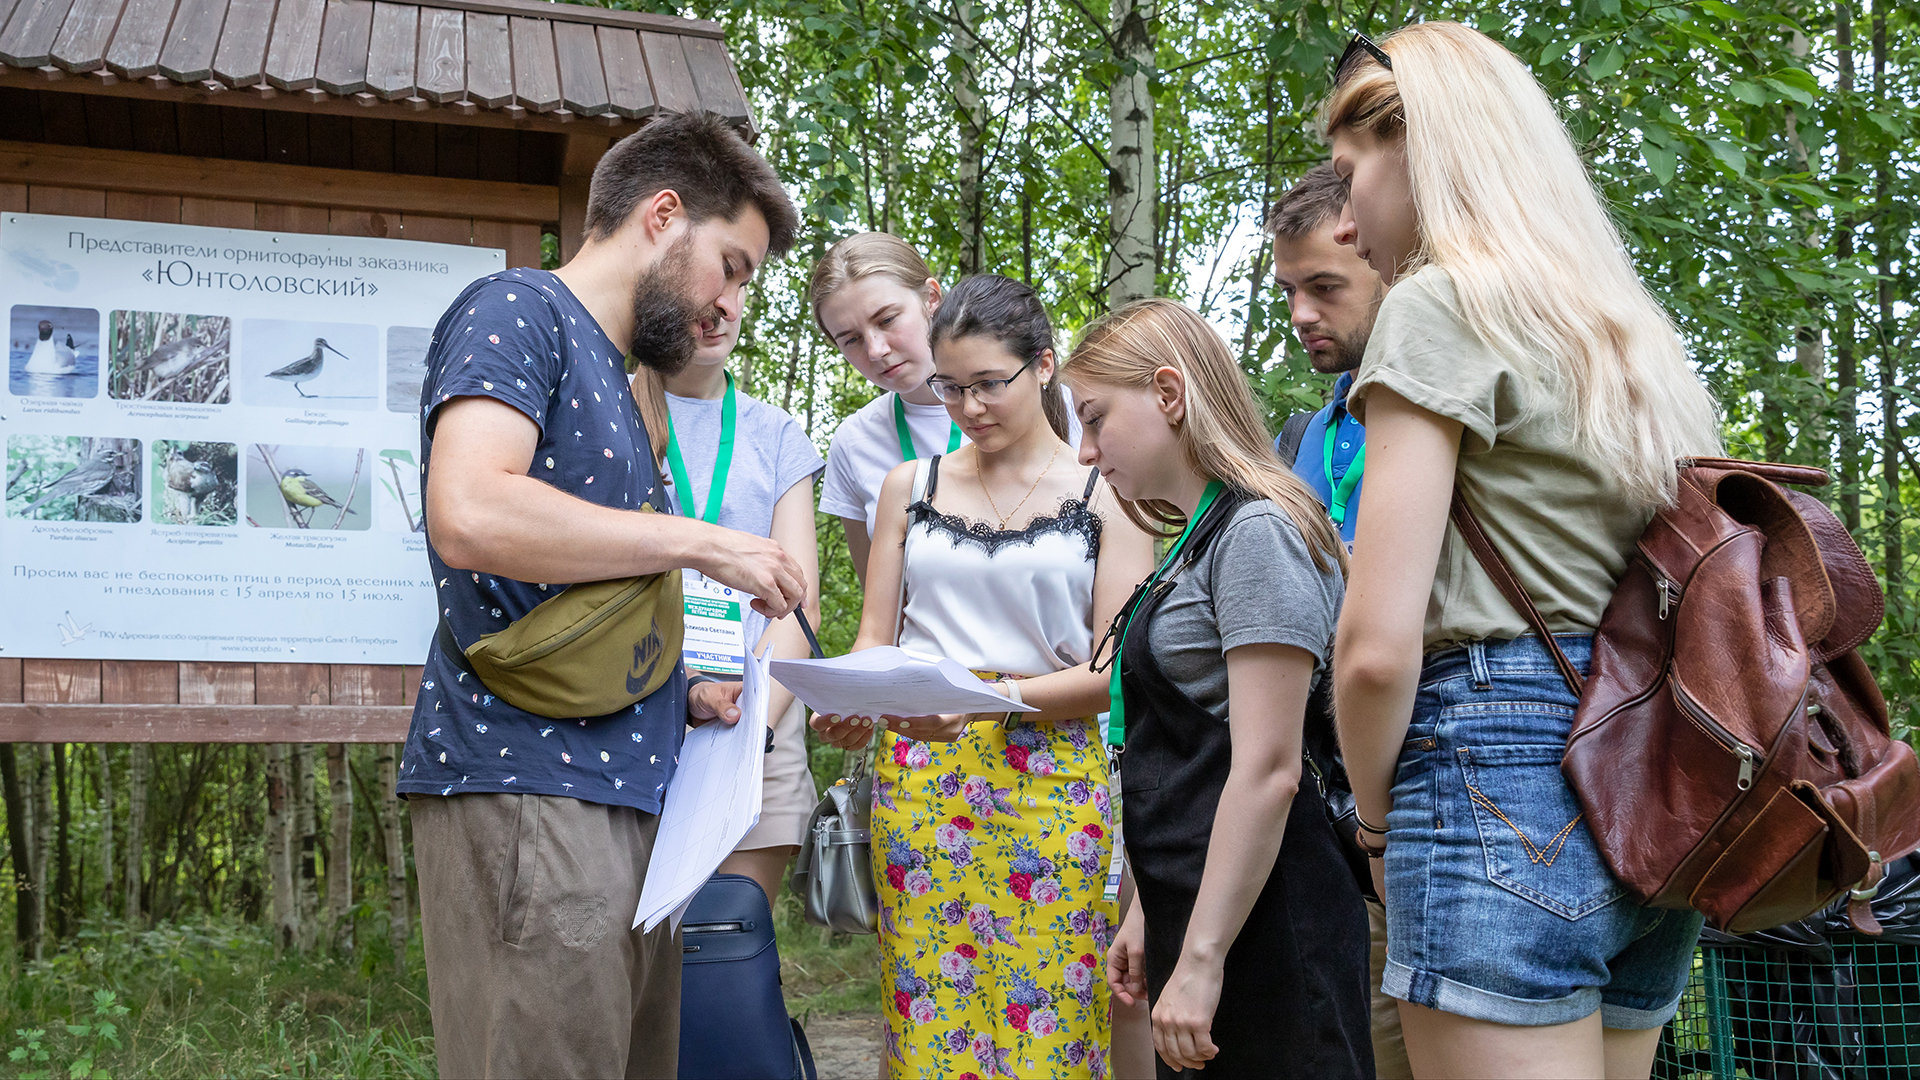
[714, 797]
[889, 681]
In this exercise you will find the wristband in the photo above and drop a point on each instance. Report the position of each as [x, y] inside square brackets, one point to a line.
[1013, 690]
[1365, 826]
[1360, 841]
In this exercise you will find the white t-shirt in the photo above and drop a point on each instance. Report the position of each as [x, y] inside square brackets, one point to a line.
[867, 447]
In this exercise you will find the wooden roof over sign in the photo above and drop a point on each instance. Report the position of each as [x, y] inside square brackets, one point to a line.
[522, 62]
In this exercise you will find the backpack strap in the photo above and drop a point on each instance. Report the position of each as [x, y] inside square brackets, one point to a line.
[1291, 432]
[1509, 585]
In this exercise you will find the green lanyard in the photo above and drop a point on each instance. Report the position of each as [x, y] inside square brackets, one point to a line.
[1117, 709]
[1343, 491]
[907, 450]
[722, 462]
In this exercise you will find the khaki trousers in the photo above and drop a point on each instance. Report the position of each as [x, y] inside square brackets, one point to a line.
[525, 903]
[1389, 1047]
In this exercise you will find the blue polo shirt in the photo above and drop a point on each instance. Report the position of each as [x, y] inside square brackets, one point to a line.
[521, 337]
[1334, 423]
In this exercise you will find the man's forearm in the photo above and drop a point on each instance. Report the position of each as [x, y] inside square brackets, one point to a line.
[530, 531]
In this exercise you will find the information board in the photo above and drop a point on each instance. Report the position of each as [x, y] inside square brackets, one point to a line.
[212, 443]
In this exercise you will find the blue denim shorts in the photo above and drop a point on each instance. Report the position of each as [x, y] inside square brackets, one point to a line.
[1499, 906]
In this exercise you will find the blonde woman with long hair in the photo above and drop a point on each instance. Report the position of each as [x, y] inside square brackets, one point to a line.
[1519, 358]
[874, 297]
[1248, 935]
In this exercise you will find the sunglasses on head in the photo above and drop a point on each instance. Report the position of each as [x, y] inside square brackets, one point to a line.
[1360, 43]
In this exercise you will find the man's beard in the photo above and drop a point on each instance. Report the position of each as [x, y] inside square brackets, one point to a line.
[663, 315]
[1343, 354]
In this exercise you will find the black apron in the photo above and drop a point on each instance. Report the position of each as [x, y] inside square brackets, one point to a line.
[1294, 999]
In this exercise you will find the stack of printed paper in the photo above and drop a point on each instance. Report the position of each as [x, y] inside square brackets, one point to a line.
[890, 681]
[714, 797]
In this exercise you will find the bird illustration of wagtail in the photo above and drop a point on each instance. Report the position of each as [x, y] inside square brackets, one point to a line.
[307, 367]
[299, 489]
[84, 479]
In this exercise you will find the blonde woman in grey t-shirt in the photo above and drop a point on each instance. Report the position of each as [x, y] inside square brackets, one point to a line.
[1518, 357]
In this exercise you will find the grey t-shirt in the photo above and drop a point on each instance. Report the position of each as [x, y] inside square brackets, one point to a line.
[770, 454]
[1255, 585]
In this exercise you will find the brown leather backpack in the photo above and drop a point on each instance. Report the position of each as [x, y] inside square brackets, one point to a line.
[1731, 749]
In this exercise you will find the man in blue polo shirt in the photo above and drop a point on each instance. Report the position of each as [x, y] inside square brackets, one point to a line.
[1333, 295]
[532, 836]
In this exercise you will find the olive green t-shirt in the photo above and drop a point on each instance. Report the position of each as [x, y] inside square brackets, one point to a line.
[1563, 525]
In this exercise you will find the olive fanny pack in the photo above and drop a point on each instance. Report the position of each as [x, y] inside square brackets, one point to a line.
[594, 649]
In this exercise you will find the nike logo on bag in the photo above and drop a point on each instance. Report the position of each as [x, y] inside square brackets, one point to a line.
[646, 657]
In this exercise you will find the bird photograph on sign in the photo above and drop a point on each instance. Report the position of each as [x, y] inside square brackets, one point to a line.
[194, 483]
[308, 487]
[318, 365]
[397, 501]
[73, 478]
[54, 351]
[165, 356]
[406, 366]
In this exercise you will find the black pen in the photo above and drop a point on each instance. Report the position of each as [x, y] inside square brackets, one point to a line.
[801, 614]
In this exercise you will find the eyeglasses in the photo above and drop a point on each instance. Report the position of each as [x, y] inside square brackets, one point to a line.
[986, 391]
[1360, 43]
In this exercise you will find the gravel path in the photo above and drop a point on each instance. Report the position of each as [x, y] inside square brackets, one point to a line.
[846, 1047]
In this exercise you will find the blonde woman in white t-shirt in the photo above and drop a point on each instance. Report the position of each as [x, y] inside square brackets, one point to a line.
[874, 298]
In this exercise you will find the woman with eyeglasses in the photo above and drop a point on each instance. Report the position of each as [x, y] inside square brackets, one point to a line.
[1518, 364]
[992, 832]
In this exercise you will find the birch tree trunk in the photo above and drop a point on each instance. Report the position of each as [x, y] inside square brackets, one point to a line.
[19, 847]
[1885, 240]
[137, 760]
[306, 877]
[42, 839]
[286, 917]
[973, 139]
[339, 849]
[105, 762]
[1847, 374]
[1133, 185]
[399, 923]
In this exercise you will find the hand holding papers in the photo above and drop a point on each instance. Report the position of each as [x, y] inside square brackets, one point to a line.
[714, 797]
[889, 681]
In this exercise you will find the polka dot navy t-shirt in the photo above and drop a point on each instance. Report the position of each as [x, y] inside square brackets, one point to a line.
[522, 338]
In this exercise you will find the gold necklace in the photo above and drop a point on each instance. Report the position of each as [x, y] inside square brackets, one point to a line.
[978, 475]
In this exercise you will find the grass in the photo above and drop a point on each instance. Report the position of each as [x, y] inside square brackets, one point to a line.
[215, 999]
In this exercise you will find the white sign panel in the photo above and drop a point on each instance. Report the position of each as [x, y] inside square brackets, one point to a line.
[212, 450]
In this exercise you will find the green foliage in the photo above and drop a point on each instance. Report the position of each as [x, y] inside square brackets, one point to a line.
[71, 1050]
[212, 999]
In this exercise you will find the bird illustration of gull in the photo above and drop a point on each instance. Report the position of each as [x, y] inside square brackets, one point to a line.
[50, 357]
[307, 367]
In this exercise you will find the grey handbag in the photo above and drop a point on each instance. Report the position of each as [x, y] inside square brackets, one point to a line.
[834, 874]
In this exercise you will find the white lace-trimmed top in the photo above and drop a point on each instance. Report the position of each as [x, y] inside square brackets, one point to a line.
[1018, 601]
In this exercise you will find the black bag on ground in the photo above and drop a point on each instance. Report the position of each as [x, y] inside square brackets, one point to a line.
[733, 1020]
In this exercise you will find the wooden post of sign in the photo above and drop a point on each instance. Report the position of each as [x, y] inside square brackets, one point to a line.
[365, 684]
[136, 682]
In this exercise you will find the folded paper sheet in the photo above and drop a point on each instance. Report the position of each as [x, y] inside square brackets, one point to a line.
[890, 681]
[714, 797]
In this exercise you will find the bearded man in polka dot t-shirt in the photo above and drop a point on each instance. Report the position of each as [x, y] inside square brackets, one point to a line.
[532, 835]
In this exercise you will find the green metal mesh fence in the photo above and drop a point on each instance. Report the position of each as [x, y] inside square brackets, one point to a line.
[1849, 1011]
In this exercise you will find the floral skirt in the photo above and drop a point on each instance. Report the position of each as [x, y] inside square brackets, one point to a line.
[990, 854]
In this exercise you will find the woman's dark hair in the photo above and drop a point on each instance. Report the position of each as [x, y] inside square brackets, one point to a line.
[1009, 312]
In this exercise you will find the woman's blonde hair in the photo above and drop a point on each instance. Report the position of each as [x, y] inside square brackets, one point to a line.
[1505, 206]
[1222, 435]
[863, 255]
